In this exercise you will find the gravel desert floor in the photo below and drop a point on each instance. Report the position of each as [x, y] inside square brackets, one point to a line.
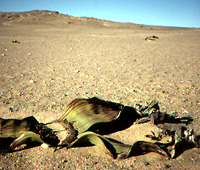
[48, 59]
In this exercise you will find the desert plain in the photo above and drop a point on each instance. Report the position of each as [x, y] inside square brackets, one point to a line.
[48, 59]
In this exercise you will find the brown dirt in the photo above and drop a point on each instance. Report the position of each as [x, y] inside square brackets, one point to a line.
[60, 58]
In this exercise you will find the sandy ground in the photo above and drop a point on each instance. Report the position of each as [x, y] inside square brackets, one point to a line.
[60, 58]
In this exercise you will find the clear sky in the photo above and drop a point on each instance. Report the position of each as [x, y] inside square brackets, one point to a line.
[183, 13]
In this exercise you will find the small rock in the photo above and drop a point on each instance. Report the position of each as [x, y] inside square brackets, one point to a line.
[7, 102]
[15, 41]
[167, 166]
[11, 109]
[185, 100]
[44, 145]
[185, 112]
[146, 163]
[31, 81]
[77, 71]
[95, 162]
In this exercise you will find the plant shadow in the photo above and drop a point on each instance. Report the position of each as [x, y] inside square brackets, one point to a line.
[126, 119]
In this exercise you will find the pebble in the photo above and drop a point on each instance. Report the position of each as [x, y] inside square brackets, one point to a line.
[11, 109]
[95, 162]
[185, 112]
[7, 102]
[167, 166]
[44, 145]
[31, 81]
[77, 71]
[65, 160]
[146, 163]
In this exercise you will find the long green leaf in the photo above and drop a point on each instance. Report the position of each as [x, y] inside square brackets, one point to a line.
[115, 148]
[25, 138]
[98, 140]
[16, 127]
[84, 113]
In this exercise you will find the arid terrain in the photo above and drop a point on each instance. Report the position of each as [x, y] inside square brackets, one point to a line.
[48, 59]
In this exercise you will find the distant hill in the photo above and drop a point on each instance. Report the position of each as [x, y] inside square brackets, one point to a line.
[54, 17]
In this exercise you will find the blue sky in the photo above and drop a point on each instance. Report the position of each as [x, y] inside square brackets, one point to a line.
[182, 13]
